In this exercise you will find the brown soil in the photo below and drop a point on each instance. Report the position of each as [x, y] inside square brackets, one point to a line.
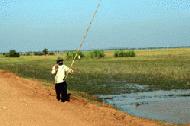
[25, 102]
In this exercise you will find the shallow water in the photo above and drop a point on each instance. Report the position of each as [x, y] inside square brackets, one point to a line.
[170, 106]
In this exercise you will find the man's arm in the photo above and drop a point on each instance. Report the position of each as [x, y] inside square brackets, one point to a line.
[68, 70]
[54, 69]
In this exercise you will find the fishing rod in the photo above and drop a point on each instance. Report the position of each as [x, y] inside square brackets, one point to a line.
[85, 35]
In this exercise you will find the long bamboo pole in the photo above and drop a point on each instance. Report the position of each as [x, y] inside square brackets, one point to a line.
[85, 34]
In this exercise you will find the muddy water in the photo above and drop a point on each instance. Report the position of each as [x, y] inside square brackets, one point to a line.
[170, 106]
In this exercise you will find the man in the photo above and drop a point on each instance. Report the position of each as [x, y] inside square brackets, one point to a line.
[60, 70]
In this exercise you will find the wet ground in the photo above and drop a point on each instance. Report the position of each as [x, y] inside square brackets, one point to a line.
[170, 106]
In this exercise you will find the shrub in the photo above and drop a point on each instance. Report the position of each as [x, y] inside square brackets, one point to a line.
[81, 54]
[43, 52]
[131, 53]
[38, 53]
[97, 54]
[121, 53]
[71, 55]
[51, 53]
[12, 53]
[27, 54]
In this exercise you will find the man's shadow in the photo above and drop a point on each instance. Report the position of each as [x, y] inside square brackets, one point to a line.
[68, 97]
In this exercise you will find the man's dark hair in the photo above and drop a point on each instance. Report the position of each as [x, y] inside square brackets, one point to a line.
[60, 62]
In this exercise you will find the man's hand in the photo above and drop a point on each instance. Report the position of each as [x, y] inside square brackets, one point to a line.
[70, 71]
[56, 68]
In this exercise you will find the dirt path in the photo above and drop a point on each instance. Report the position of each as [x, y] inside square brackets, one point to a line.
[26, 102]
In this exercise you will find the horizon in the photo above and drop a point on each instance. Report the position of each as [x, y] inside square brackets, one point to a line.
[105, 49]
[59, 25]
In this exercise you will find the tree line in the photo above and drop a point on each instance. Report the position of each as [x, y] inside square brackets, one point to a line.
[71, 54]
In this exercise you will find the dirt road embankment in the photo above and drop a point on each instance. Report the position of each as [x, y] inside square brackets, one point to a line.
[25, 102]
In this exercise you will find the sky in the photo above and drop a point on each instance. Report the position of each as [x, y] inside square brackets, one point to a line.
[32, 25]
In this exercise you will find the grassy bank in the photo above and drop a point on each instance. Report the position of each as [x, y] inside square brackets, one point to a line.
[160, 69]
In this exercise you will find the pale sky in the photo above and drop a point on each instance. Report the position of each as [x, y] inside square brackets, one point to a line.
[31, 25]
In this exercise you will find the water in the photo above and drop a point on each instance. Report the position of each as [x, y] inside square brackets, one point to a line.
[170, 106]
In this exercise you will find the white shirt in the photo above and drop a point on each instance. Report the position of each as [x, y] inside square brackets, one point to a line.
[60, 75]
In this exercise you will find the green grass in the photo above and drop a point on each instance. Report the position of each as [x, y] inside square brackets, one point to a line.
[160, 69]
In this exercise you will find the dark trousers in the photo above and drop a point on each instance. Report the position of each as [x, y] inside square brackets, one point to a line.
[61, 91]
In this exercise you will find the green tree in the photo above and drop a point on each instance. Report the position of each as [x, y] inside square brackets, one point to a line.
[45, 51]
[12, 53]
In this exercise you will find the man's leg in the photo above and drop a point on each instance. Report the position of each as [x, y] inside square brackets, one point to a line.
[57, 91]
[64, 91]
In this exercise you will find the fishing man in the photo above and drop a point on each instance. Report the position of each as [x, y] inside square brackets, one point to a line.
[60, 71]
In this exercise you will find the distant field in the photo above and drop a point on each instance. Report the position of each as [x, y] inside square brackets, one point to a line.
[159, 68]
